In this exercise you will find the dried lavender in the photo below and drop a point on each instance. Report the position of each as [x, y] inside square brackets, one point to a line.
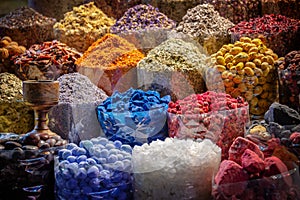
[175, 64]
[27, 27]
[207, 26]
[77, 88]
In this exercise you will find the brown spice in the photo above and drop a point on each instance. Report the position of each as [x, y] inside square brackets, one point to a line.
[107, 60]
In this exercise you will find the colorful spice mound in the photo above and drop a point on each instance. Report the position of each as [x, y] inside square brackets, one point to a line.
[247, 70]
[27, 27]
[207, 26]
[74, 117]
[248, 173]
[216, 116]
[289, 80]
[26, 162]
[134, 117]
[83, 26]
[97, 168]
[15, 116]
[46, 61]
[280, 32]
[174, 64]
[8, 49]
[108, 60]
[142, 17]
[180, 169]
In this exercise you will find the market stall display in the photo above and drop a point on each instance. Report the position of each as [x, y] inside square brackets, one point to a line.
[247, 70]
[210, 115]
[96, 169]
[15, 115]
[74, 118]
[46, 61]
[287, 8]
[82, 26]
[175, 169]
[27, 27]
[110, 63]
[205, 25]
[134, 117]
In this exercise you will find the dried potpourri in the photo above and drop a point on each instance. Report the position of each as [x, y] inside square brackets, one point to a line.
[82, 26]
[15, 115]
[247, 69]
[207, 26]
[249, 174]
[8, 49]
[289, 80]
[216, 116]
[46, 61]
[280, 32]
[27, 27]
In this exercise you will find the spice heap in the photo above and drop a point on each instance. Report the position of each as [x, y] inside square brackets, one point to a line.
[288, 8]
[280, 32]
[83, 26]
[27, 163]
[142, 17]
[289, 80]
[97, 168]
[237, 11]
[15, 116]
[134, 117]
[247, 70]
[249, 172]
[144, 26]
[46, 61]
[175, 64]
[181, 169]
[211, 115]
[27, 27]
[207, 26]
[8, 49]
[74, 117]
[109, 60]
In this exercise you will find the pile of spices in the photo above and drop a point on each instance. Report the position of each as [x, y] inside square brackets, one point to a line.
[15, 116]
[289, 80]
[237, 11]
[27, 27]
[177, 65]
[134, 117]
[110, 62]
[247, 69]
[288, 8]
[144, 26]
[74, 118]
[210, 115]
[207, 26]
[96, 168]
[27, 163]
[8, 49]
[175, 169]
[82, 26]
[46, 61]
[281, 33]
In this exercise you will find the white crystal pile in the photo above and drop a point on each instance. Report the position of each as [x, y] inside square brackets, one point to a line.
[175, 169]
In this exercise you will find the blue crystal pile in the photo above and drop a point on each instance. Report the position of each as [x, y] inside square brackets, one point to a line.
[134, 117]
[96, 169]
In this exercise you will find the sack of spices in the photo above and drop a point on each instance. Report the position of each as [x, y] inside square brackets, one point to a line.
[46, 61]
[82, 26]
[144, 26]
[205, 25]
[178, 66]
[27, 27]
[110, 63]
[15, 115]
